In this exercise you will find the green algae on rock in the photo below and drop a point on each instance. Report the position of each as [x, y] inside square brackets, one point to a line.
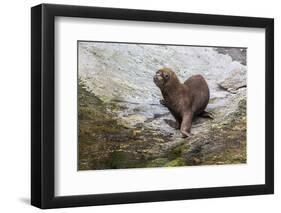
[104, 143]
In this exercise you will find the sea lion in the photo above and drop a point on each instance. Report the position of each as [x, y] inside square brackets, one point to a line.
[184, 101]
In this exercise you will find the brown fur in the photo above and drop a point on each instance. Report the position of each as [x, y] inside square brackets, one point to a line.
[184, 101]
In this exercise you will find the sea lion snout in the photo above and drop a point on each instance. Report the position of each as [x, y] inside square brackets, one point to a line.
[158, 79]
[162, 76]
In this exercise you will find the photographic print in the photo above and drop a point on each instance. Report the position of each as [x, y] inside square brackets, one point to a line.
[160, 105]
[182, 110]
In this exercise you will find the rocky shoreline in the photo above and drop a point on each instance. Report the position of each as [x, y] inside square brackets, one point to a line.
[122, 124]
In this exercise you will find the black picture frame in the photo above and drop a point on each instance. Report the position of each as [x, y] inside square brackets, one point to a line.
[43, 102]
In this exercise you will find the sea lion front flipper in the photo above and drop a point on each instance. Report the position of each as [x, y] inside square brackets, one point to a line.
[186, 125]
[206, 114]
[163, 102]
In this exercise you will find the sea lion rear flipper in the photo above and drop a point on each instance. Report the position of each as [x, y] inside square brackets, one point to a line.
[162, 101]
[206, 114]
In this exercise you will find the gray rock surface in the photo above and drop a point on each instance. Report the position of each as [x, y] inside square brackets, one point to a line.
[123, 74]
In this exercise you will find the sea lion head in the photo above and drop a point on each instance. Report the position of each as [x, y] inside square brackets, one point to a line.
[163, 76]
